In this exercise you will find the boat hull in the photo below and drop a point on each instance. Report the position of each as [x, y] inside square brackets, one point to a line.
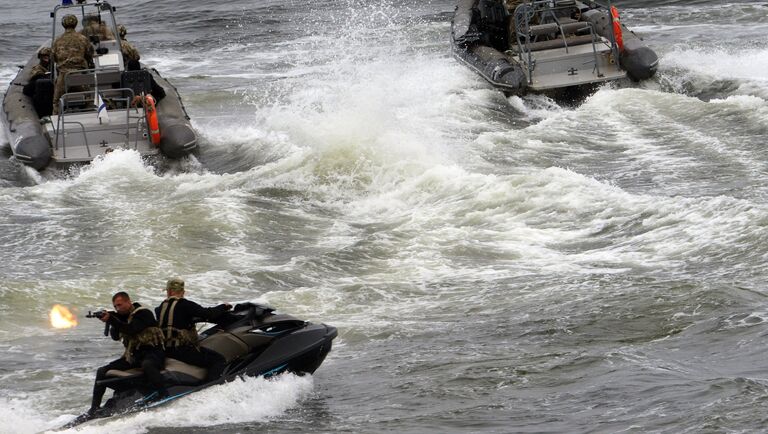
[33, 138]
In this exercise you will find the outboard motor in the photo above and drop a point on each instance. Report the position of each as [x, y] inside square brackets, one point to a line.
[638, 60]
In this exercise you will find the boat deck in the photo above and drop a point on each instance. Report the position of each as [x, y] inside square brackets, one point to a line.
[83, 136]
[574, 66]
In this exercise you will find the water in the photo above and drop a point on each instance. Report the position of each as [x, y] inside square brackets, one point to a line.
[493, 264]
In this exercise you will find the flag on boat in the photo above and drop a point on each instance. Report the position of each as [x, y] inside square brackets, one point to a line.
[102, 109]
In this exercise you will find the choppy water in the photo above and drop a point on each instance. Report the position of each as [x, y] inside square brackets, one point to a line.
[493, 264]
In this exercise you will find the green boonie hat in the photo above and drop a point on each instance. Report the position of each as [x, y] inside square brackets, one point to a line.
[45, 51]
[69, 21]
[175, 284]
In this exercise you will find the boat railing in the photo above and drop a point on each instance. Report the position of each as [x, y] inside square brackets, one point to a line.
[78, 103]
[547, 11]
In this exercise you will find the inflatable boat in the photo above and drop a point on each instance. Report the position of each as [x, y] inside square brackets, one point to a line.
[546, 46]
[114, 104]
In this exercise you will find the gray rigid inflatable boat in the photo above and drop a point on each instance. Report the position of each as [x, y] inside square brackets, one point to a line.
[78, 134]
[546, 46]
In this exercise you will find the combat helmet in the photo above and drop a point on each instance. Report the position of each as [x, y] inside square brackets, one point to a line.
[122, 31]
[45, 51]
[69, 21]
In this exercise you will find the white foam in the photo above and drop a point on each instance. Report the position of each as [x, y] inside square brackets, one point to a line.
[535, 107]
[725, 63]
[241, 401]
[6, 75]
[20, 416]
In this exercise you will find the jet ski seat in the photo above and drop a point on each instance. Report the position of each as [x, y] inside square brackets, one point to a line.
[175, 372]
[183, 373]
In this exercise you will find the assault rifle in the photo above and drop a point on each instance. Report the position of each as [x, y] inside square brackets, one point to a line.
[100, 314]
[97, 314]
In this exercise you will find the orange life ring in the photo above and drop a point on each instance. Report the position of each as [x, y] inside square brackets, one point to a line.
[152, 123]
[617, 28]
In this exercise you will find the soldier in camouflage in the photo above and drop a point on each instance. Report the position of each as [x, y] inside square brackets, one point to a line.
[38, 86]
[131, 55]
[42, 68]
[93, 26]
[71, 52]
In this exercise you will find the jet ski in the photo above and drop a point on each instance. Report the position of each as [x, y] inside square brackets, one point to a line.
[255, 341]
[548, 46]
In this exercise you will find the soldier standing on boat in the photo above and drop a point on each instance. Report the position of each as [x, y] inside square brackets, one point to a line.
[131, 58]
[71, 52]
[93, 26]
[131, 55]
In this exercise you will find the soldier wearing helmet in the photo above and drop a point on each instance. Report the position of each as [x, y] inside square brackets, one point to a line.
[71, 52]
[39, 86]
[93, 26]
[42, 68]
[131, 55]
[131, 58]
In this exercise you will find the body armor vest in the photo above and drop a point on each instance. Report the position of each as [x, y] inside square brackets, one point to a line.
[175, 337]
[150, 336]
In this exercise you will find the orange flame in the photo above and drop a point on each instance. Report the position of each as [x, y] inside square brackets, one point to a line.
[61, 317]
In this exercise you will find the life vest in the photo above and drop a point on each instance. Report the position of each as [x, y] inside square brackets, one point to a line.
[150, 337]
[175, 337]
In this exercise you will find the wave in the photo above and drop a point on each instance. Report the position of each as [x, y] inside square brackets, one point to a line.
[243, 401]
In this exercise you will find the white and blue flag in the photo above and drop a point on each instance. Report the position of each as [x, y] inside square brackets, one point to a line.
[102, 109]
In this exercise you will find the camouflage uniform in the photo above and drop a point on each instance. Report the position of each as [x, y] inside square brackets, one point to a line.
[37, 71]
[71, 52]
[130, 53]
[512, 4]
[94, 27]
[39, 88]
[40, 70]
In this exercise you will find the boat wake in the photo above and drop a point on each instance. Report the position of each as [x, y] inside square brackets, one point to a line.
[243, 401]
[251, 400]
[718, 72]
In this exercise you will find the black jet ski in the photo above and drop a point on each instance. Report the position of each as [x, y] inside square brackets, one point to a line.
[255, 341]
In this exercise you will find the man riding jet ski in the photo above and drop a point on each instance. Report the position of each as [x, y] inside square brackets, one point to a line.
[254, 341]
